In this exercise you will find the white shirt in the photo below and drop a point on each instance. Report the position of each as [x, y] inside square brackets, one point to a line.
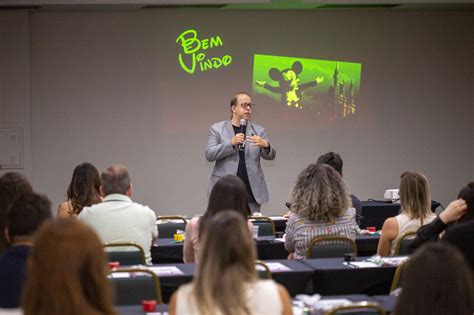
[405, 224]
[263, 298]
[119, 219]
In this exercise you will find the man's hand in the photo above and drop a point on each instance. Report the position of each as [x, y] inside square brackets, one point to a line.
[258, 141]
[238, 139]
[454, 211]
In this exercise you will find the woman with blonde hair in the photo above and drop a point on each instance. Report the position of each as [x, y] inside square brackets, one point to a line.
[320, 206]
[83, 191]
[415, 211]
[67, 272]
[226, 282]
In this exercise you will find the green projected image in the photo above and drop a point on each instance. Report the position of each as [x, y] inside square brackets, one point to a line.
[194, 51]
[327, 87]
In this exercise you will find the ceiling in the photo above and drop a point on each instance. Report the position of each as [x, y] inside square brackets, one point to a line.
[102, 5]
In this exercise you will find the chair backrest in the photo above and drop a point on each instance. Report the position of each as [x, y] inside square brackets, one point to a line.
[358, 308]
[167, 225]
[398, 276]
[142, 284]
[266, 226]
[331, 247]
[134, 255]
[263, 271]
[403, 244]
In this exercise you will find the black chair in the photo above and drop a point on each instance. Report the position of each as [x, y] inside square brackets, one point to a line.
[167, 225]
[398, 277]
[266, 226]
[141, 284]
[358, 308]
[135, 255]
[403, 244]
[263, 271]
[331, 247]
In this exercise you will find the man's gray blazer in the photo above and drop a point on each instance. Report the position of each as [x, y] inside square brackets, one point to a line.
[226, 156]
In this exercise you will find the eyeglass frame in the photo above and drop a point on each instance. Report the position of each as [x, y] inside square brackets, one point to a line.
[247, 105]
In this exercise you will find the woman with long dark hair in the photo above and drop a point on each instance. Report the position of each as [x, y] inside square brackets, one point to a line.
[228, 193]
[83, 191]
[437, 281]
[12, 186]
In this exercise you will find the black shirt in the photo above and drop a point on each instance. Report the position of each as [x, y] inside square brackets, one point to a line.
[242, 169]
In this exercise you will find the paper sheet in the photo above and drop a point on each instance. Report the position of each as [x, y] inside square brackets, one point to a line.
[330, 303]
[277, 267]
[277, 218]
[166, 270]
[360, 264]
[394, 261]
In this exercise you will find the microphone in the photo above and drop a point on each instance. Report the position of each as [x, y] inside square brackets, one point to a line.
[243, 127]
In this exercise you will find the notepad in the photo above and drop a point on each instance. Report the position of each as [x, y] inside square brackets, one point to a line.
[278, 218]
[394, 261]
[328, 304]
[277, 267]
[166, 270]
[360, 264]
[117, 275]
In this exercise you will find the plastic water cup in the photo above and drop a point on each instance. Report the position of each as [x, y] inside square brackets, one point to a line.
[113, 265]
[178, 237]
[149, 305]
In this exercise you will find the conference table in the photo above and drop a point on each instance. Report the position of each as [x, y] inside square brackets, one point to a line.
[166, 250]
[387, 302]
[325, 276]
[332, 277]
[292, 274]
[373, 214]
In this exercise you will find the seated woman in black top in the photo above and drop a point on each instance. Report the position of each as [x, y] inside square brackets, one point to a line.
[458, 211]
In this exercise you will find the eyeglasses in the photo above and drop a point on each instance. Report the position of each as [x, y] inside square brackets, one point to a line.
[247, 105]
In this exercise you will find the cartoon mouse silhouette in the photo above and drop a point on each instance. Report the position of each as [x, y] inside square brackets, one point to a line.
[289, 86]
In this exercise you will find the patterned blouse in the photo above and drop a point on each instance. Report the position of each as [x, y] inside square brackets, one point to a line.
[301, 231]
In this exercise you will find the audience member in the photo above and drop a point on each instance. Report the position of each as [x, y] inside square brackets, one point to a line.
[462, 236]
[25, 216]
[415, 211]
[66, 272]
[431, 232]
[437, 281]
[12, 186]
[334, 159]
[320, 207]
[458, 221]
[228, 193]
[226, 281]
[467, 194]
[118, 219]
[83, 191]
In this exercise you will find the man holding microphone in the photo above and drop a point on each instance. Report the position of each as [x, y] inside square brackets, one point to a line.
[236, 146]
